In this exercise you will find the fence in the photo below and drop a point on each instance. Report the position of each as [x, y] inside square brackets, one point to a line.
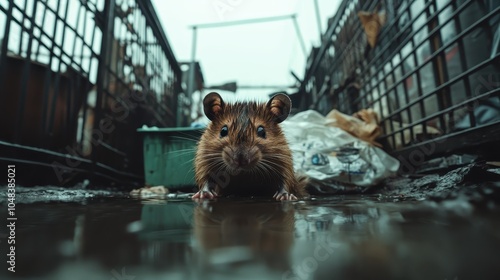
[77, 78]
[429, 69]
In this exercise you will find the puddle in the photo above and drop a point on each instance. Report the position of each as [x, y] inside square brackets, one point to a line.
[343, 237]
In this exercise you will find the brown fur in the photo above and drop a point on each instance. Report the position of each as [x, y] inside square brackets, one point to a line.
[272, 156]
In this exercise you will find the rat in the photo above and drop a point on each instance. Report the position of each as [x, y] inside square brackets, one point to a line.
[244, 152]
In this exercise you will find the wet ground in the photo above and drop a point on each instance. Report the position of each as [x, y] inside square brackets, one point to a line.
[101, 235]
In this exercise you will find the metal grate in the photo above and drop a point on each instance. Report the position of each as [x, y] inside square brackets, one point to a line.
[433, 75]
[78, 77]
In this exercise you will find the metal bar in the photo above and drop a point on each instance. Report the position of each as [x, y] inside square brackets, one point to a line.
[84, 98]
[463, 64]
[23, 14]
[191, 81]
[156, 56]
[54, 156]
[107, 33]
[411, 35]
[448, 83]
[425, 40]
[43, 20]
[435, 42]
[379, 54]
[154, 22]
[407, 100]
[451, 108]
[328, 34]
[345, 51]
[48, 75]
[266, 86]
[24, 80]
[192, 66]
[382, 58]
[57, 82]
[51, 55]
[241, 22]
[449, 142]
[4, 46]
[441, 49]
[43, 33]
[299, 35]
[318, 20]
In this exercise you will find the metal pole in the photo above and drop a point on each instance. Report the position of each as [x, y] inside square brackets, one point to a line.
[318, 20]
[4, 43]
[191, 77]
[102, 82]
[240, 22]
[301, 39]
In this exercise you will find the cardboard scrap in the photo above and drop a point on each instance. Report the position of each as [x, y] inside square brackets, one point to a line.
[372, 24]
[363, 124]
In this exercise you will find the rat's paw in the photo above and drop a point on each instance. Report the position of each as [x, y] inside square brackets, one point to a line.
[204, 194]
[207, 192]
[284, 195]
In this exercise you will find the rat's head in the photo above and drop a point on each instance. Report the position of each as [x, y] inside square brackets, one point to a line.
[246, 135]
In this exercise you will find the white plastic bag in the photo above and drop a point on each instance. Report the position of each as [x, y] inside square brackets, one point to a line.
[327, 153]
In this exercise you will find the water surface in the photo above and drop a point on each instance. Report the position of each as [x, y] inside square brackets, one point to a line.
[342, 237]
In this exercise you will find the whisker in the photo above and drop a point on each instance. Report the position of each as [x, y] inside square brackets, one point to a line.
[269, 165]
[179, 152]
[185, 138]
[276, 156]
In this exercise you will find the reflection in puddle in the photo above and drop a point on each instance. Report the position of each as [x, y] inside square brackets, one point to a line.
[236, 233]
[335, 238]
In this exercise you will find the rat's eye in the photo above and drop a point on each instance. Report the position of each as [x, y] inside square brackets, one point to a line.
[224, 131]
[261, 132]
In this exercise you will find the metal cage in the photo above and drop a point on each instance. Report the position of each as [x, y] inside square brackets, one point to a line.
[429, 68]
[77, 78]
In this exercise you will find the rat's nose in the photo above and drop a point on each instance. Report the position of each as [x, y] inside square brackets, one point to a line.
[242, 160]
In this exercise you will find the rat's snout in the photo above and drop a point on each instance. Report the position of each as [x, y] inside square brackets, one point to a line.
[241, 160]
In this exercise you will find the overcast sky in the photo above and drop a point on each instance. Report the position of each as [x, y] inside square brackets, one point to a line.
[255, 54]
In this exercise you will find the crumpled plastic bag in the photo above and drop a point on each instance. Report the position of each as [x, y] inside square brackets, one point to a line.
[329, 154]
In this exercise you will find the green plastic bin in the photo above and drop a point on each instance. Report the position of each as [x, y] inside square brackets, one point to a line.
[169, 156]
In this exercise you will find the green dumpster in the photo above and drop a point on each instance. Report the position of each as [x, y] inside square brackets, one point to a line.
[169, 156]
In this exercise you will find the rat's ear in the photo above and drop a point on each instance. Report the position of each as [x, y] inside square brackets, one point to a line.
[213, 105]
[280, 106]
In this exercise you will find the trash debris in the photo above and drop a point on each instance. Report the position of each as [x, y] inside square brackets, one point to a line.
[145, 127]
[78, 194]
[485, 112]
[180, 195]
[363, 125]
[329, 154]
[150, 192]
[441, 163]
[476, 183]
[372, 24]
